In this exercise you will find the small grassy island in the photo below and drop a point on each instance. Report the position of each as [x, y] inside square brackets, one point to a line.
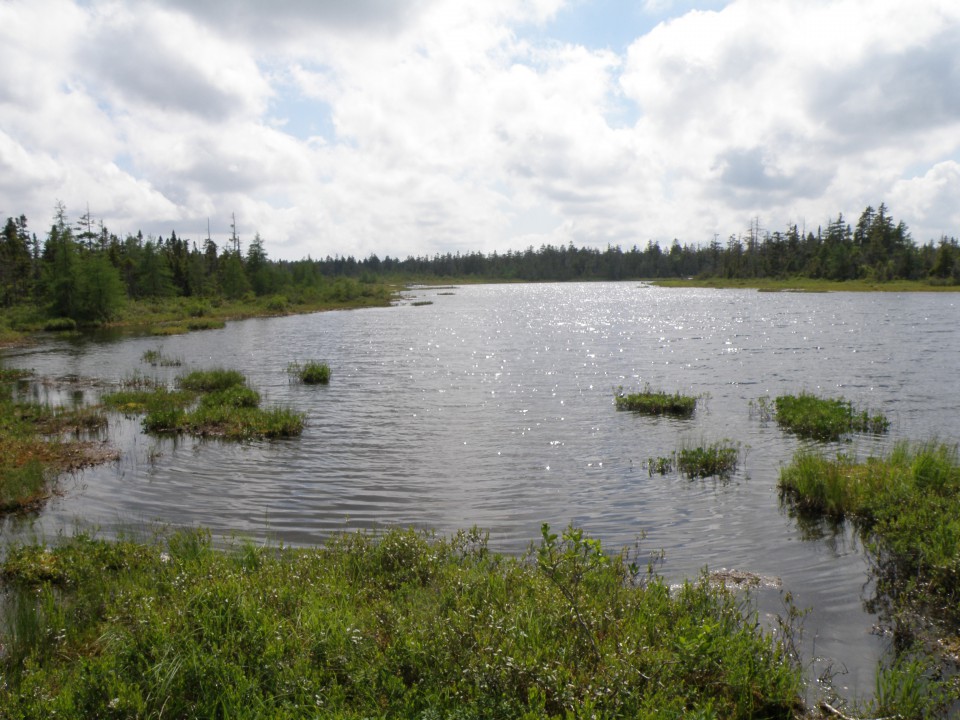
[817, 418]
[656, 402]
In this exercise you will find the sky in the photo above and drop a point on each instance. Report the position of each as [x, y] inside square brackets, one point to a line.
[417, 127]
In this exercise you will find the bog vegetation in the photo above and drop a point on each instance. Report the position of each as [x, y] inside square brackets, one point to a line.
[810, 416]
[656, 402]
[400, 625]
[210, 403]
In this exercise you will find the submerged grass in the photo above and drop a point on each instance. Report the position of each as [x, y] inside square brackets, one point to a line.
[819, 418]
[401, 625]
[655, 402]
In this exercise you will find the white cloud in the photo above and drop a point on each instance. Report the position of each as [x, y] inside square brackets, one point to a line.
[442, 126]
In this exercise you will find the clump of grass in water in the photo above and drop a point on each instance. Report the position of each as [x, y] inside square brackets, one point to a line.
[211, 380]
[718, 459]
[909, 500]
[651, 402]
[32, 449]
[156, 357]
[311, 372]
[227, 408]
[398, 625]
[819, 418]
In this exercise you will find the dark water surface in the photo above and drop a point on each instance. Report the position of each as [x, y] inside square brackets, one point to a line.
[494, 407]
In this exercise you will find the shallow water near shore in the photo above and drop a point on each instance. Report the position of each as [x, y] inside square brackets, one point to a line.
[494, 406]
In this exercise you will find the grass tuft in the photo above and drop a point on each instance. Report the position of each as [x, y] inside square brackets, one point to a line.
[819, 418]
[311, 372]
[651, 402]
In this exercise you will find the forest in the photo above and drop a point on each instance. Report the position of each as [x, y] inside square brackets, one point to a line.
[84, 272]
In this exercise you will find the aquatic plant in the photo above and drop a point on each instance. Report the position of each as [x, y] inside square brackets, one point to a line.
[403, 624]
[34, 447]
[718, 459]
[661, 465]
[211, 380]
[311, 372]
[908, 500]
[156, 357]
[819, 418]
[655, 402]
[205, 324]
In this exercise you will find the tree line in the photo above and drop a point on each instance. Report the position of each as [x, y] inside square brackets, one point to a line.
[85, 272]
[875, 248]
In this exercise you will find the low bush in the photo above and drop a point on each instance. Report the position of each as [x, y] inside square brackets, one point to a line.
[401, 625]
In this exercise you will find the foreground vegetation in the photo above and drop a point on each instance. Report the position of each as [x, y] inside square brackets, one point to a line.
[402, 625]
[819, 418]
[656, 402]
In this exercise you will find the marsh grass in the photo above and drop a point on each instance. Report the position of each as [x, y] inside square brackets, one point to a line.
[157, 358]
[209, 403]
[35, 445]
[401, 625]
[655, 402]
[818, 418]
[908, 503]
[718, 459]
[311, 372]
[211, 380]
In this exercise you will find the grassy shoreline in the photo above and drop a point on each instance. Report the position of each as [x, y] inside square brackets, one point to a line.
[804, 284]
[165, 316]
[401, 625]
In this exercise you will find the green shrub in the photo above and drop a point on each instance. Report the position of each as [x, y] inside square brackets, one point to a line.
[402, 625]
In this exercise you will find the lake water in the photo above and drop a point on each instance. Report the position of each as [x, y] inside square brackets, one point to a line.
[494, 406]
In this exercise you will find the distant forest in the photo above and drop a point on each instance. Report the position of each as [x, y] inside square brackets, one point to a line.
[82, 271]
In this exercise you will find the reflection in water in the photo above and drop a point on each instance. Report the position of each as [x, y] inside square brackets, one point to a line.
[494, 407]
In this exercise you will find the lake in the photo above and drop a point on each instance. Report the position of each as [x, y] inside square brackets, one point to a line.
[494, 406]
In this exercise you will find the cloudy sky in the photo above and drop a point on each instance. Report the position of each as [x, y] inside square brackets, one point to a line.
[407, 127]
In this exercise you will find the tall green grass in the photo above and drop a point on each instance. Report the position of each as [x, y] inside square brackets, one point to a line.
[908, 500]
[312, 372]
[210, 403]
[656, 402]
[819, 418]
[402, 625]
